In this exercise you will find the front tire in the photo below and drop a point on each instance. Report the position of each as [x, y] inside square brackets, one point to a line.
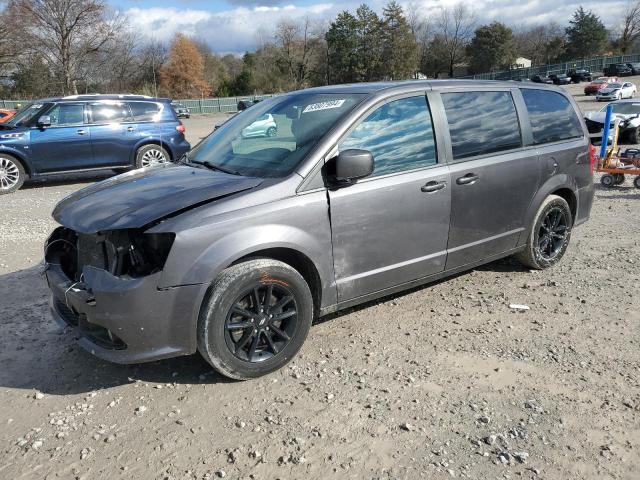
[549, 235]
[151, 155]
[255, 318]
[12, 174]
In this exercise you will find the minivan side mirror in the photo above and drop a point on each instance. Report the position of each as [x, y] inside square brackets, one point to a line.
[44, 121]
[352, 165]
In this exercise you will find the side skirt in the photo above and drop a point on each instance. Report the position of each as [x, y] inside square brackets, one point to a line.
[414, 283]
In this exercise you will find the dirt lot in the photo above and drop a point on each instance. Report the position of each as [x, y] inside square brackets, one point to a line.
[444, 381]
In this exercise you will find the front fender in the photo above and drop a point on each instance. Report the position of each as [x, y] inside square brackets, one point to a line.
[551, 185]
[20, 155]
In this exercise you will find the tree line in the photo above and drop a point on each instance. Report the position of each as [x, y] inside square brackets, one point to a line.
[58, 47]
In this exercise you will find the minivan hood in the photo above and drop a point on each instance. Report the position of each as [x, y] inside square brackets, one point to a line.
[137, 198]
[600, 116]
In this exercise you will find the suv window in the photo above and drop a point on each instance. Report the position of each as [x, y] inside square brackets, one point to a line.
[481, 122]
[144, 111]
[399, 134]
[112, 112]
[67, 114]
[552, 116]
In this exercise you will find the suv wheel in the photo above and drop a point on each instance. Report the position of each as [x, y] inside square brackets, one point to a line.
[151, 155]
[255, 318]
[549, 235]
[12, 174]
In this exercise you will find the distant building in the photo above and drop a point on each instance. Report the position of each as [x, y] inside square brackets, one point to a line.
[521, 62]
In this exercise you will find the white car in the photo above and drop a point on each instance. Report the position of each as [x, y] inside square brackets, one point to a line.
[264, 126]
[627, 111]
[616, 91]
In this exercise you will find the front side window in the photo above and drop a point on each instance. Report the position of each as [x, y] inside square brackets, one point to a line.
[109, 112]
[398, 134]
[271, 138]
[145, 111]
[552, 116]
[67, 114]
[481, 123]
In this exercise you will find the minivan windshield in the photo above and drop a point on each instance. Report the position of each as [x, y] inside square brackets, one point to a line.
[271, 138]
[26, 114]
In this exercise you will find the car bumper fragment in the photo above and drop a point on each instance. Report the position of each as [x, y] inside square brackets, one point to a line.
[125, 320]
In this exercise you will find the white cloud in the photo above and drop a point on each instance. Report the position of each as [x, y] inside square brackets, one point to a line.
[237, 29]
[234, 30]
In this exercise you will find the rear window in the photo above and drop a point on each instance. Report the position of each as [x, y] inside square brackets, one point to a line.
[481, 123]
[552, 116]
[146, 111]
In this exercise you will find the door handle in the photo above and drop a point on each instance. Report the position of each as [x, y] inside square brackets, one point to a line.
[467, 179]
[131, 129]
[81, 132]
[433, 186]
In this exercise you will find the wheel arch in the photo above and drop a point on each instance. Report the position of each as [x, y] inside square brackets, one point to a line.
[296, 260]
[11, 153]
[562, 185]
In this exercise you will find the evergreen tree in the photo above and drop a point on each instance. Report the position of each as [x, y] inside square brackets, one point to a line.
[492, 47]
[586, 35]
[342, 49]
[400, 49]
[369, 49]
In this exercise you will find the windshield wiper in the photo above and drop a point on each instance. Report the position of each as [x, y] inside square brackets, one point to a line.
[213, 166]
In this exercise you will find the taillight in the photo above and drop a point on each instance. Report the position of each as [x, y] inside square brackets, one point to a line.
[592, 159]
[180, 128]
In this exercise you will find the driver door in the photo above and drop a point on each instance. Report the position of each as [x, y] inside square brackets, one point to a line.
[65, 144]
[392, 227]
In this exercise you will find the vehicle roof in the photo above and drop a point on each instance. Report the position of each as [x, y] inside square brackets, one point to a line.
[94, 97]
[375, 87]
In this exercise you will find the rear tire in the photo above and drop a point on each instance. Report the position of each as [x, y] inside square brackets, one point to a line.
[151, 155]
[636, 182]
[12, 174]
[255, 318]
[549, 235]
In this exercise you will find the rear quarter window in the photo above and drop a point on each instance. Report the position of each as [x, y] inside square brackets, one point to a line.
[552, 116]
[481, 123]
[145, 111]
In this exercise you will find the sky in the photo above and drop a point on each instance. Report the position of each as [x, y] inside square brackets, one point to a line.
[236, 26]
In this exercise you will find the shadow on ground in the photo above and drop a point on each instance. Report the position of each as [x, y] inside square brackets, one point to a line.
[36, 354]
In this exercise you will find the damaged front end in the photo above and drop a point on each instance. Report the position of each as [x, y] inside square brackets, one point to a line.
[105, 285]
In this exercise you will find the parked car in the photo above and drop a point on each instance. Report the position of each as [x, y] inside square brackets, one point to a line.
[244, 104]
[371, 189]
[6, 114]
[542, 79]
[263, 126]
[627, 111]
[88, 132]
[598, 84]
[618, 70]
[560, 79]
[635, 68]
[181, 110]
[616, 91]
[580, 75]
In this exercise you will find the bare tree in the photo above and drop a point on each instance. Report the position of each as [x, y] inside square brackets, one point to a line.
[67, 33]
[296, 44]
[455, 29]
[630, 28]
[422, 31]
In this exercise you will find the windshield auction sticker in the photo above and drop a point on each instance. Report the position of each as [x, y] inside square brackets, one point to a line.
[316, 107]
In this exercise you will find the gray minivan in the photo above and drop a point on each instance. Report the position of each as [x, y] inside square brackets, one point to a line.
[363, 190]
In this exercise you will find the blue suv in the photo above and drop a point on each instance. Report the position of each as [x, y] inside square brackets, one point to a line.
[88, 132]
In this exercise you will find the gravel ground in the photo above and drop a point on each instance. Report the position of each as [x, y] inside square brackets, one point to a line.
[440, 382]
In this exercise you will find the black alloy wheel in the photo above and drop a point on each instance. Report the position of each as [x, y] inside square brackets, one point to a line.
[552, 233]
[261, 322]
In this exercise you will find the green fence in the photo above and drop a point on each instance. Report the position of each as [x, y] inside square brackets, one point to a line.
[596, 64]
[200, 105]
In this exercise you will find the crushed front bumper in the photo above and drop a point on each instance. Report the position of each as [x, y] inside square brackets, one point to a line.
[126, 320]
